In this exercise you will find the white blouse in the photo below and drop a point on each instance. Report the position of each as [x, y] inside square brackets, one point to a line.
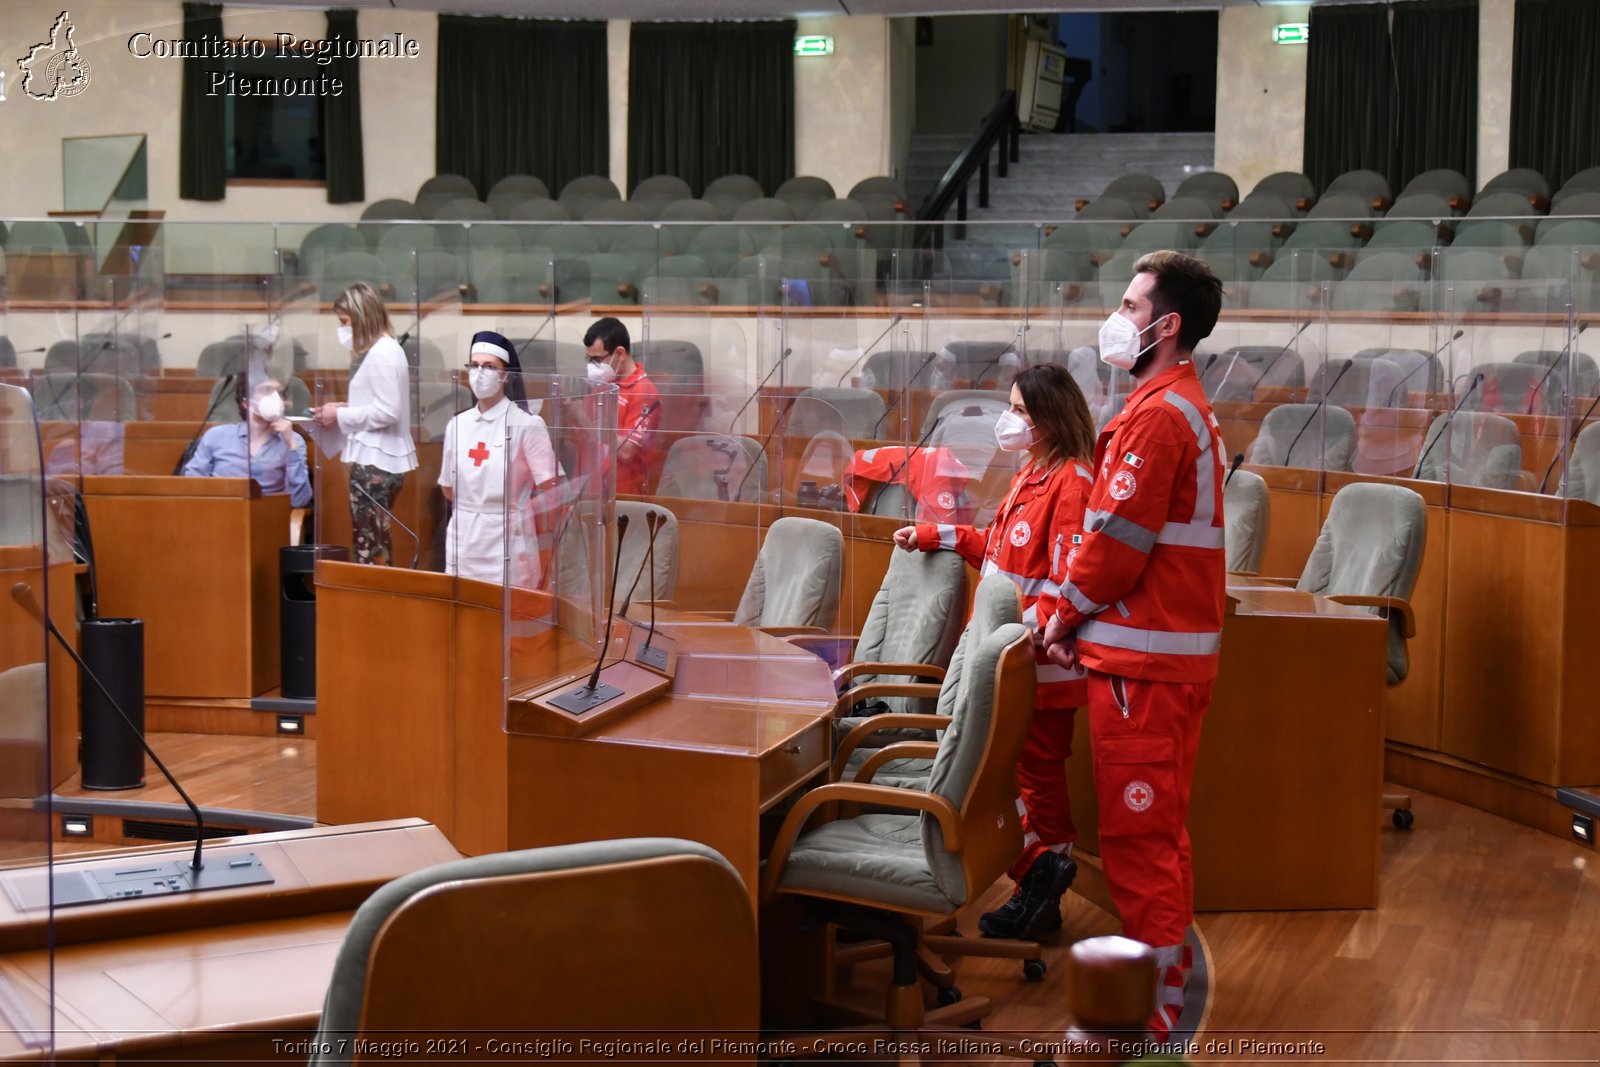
[377, 420]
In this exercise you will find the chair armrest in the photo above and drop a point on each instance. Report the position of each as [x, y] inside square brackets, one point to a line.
[1287, 583]
[850, 697]
[888, 754]
[1408, 619]
[889, 720]
[881, 796]
[789, 631]
[915, 670]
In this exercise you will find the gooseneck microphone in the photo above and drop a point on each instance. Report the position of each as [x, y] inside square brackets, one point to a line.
[228, 381]
[910, 384]
[22, 593]
[416, 542]
[893, 322]
[1477, 380]
[1389, 402]
[1321, 403]
[650, 520]
[783, 358]
[1284, 350]
[593, 693]
[1567, 446]
[788, 406]
[1533, 394]
[1233, 468]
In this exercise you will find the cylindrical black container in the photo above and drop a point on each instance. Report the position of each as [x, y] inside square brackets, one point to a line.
[113, 756]
[297, 616]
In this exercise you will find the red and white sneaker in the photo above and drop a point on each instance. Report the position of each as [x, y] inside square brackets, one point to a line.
[1172, 983]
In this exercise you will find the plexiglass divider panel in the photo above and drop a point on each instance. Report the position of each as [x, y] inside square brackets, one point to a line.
[34, 539]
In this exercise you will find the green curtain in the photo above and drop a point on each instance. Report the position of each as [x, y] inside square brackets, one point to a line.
[203, 122]
[707, 99]
[1436, 106]
[1349, 92]
[341, 118]
[1555, 88]
[521, 96]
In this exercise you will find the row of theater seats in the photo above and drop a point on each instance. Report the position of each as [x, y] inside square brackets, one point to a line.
[1283, 242]
[592, 197]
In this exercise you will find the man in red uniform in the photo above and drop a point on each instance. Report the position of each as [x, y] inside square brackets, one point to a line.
[638, 402]
[1142, 605]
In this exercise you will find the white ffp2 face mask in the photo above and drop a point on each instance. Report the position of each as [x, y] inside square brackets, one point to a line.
[269, 407]
[347, 337]
[599, 370]
[1119, 341]
[1012, 434]
[485, 382]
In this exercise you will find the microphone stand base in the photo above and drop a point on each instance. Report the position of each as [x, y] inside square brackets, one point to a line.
[580, 699]
[140, 881]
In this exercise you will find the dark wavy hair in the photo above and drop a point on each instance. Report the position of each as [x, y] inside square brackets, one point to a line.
[1060, 413]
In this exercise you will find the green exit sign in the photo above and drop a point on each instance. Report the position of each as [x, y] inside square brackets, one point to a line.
[815, 45]
[1291, 33]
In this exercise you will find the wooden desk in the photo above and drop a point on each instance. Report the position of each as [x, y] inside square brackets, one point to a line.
[420, 729]
[1522, 639]
[209, 976]
[1285, 812]
[197, 560]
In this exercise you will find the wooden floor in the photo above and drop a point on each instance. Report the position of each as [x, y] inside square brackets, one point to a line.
[1485, 948]
[270, 774]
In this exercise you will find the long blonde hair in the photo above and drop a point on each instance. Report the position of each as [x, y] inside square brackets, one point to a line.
[369, 319]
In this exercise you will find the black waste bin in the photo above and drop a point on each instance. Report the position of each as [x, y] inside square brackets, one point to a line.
[112, 753]
[297, 616]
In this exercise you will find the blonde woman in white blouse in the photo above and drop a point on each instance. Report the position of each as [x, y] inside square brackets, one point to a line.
[375, 424]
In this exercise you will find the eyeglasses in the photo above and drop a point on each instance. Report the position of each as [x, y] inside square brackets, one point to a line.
[485, 366]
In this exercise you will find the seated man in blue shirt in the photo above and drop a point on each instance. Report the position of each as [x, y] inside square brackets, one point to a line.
[263, 446]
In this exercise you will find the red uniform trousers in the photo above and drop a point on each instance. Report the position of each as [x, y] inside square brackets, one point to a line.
[1042, 777]
[1146, 736]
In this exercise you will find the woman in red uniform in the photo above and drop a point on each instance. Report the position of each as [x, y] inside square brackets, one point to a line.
[1031, 542]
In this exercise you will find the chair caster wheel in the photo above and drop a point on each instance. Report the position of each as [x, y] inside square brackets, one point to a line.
[1033, 970]
[949, 995]
[1403, 818]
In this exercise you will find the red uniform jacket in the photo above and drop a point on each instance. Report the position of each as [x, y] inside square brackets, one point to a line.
[1031, 541]
[1146, 590]
[638, 416]
[934, 477]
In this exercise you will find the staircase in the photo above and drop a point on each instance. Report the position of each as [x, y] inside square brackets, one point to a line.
[1054, 171]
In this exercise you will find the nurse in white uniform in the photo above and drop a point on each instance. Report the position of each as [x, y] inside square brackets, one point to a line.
[478, 443]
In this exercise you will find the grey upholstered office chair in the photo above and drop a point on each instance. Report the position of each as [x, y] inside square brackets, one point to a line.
[634, 553]
[1314, 436]
[713, 466]
[491, 945]
[912, 626]
[1368, 555]
[925, 854]
[1246, 515]
[1581, 478]
[1370, 547]
[852, 412]
[795, 582]
[1481, 449]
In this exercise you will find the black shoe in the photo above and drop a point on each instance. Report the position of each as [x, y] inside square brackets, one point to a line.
[1002, 922]
[1040, 894]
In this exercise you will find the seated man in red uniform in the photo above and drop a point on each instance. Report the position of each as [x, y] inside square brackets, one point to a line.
[638, 403]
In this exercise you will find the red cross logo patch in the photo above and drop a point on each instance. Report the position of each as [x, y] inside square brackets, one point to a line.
[946, 500]
[1138, 796]
[1123, 484]
[479, 454]
[1021, 532]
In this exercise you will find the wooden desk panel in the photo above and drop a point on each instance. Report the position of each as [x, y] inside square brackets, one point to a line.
[1522, 653]
[197, 560]
[419, 504]
[1285, 811]
[210, 975]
